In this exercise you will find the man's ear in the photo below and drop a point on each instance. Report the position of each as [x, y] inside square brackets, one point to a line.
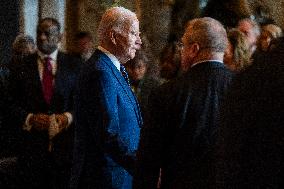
[195, 48]
[112, 36]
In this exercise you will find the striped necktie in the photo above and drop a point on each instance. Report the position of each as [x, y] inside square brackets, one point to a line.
[124, 74]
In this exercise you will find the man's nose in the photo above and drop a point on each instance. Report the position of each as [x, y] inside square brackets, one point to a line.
[42, 36]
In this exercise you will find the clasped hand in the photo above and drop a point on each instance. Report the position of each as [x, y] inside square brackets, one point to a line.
[54, 123]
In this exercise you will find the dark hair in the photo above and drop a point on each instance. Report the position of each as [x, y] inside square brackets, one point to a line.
[83, 34]
[53, 21]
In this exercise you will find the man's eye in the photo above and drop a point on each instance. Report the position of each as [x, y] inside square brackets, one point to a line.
[135, 33]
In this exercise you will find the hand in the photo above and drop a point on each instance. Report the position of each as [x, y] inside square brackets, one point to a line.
[40, 122]
[61, 120]
[58, 122]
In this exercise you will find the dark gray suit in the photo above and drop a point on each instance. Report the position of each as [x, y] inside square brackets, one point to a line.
[36, 163]
[251, 143]
[179, 134]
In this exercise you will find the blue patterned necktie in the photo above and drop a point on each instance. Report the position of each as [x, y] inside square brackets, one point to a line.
[124, 74]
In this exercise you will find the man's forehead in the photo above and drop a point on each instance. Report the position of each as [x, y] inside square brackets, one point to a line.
[47, 25]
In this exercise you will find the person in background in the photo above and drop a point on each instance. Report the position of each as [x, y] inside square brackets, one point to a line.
[107, 114]
[42, 87]
[170, 66]
[23, 45]
[84, 45]
[251, 30]
[268, 33]
[179, 134]
[237, 55]
[142, 82]
[251, 132]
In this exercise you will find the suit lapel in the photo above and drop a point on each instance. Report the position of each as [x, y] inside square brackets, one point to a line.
[124, 85]
[119, 77]
[37, 81]
[59, 71]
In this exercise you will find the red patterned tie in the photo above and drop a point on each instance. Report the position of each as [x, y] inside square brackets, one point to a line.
[47, 79]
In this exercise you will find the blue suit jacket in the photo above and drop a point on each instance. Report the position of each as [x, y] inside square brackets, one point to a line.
[107, 127]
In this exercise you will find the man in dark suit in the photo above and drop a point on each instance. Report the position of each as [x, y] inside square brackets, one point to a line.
[179, 133]
[251, 141]
[84, 45]
[107, 115]
[42, 87]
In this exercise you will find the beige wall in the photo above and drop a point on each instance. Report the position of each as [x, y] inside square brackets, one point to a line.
[154, 16]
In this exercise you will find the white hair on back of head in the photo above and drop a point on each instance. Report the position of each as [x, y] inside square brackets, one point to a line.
[208, 33]
[115, 18]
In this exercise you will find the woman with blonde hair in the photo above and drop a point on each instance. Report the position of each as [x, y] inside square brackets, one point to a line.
[237, 56]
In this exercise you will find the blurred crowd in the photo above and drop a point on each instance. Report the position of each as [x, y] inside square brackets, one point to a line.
[211, 104]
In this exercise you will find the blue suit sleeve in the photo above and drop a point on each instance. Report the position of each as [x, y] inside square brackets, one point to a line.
[102, 104]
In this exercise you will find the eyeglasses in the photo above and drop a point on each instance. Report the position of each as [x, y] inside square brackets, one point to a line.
[179, 46]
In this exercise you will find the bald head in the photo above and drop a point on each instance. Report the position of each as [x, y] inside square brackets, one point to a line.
[204, 39]
[117, 19]
[119, 33]
[208, 33]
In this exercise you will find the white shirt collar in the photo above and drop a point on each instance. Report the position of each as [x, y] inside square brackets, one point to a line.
[205, 61]
[111, 57]
[53, 55]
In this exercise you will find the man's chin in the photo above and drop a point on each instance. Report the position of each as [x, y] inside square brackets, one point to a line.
[134, 53]
[47, 50]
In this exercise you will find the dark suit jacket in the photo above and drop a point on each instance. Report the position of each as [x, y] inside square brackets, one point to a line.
[143, 90]
[107, 127]
[179, 134]
[4, 131]
[251, 142]
[26, 91]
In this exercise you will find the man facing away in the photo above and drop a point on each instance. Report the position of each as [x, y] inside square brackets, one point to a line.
[107, 115]
[179, 133]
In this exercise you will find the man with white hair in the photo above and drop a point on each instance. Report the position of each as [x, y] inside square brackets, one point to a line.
[251, 30]
[107, 115]
[178, 137]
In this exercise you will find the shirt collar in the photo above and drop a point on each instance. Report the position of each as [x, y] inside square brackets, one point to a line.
[111, 57]
[53, 55]
[205, 61]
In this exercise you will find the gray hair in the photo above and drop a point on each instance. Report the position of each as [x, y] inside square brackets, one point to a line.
[208, 33]
[254, 25]
[115, 18]
[274, 30]
[21, 41]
